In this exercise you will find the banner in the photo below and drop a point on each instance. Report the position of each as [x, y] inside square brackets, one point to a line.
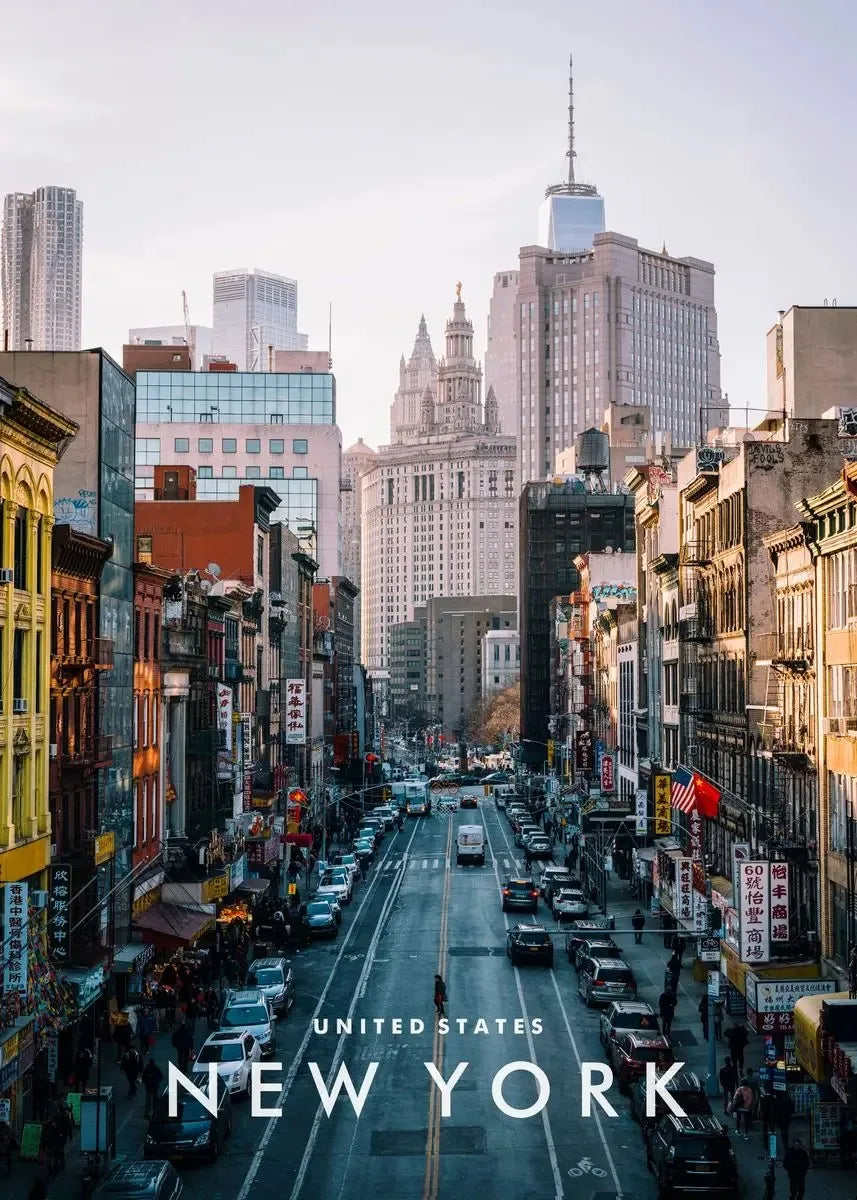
[779, 902]
[295, 712]
[754, 908]
[16, 921]
[641, 810]
[740, 853]
[694, 829]
[59, 925]
[684, 889]
[224, 726]
[661, 792]
[247, 759]
[608, 783]
[584, 751]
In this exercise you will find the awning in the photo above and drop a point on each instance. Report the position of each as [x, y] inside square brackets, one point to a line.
[646, 854]
[169, 926]
[254, 887]
[85, 983]
[132, 958]
[807, 1033]
[722, 885]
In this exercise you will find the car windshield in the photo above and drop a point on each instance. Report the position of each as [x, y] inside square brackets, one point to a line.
[603, 950]
[635, 1021]
[572, 897]
[614, 975]
[187, 1109]
[265, 977]
[692, 1102]
[240, 1015]
[537, 938]
[520, 888]
[702, 1147]
[218, 1052]
[648, 1054]
[318, 910]
[348, 859]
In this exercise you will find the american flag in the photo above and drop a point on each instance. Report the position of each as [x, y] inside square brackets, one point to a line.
[684, 791]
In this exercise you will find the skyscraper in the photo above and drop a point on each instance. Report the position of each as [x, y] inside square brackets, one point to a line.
[40, 269]
[571, 213]
[415, 375]
[254, 312]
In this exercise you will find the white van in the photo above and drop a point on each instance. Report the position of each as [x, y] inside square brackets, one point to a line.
[470, 845]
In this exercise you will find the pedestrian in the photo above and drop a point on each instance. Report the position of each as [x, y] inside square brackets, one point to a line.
[54, 1145]
[742, 1106]
[703, 1016]
[146, 1030]
[666, 1007]
[718, 1020]
[638, 922]
[152, 1076]
[82, 1068]
[7, 1146]
[528, 858]
[439, 996]
[728, 1082]
[130, 1068]
[796, 1165]
[123, 1037]
[191, 1012]
[736, 1039]
[673, 973]
[679, 947]
[668, 925]
[785, 1112]
[767, 1114]
[183, 1042]
[852, 973]
[212, 1004]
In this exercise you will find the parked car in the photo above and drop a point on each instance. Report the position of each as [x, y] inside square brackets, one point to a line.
[539, 846]
[597, 947]
[370, 833]
[520, 893]
[630, 1052]
[364, 849]
[141, 1181]
[193, 1132]
[385, 814]
[274, 978]
[692, 1156]
[624, 1016]
[602, 980]
[248, 1010]
[469, 801]
[563, 877]
[234, 1052]
[582, 931]
[321, 919]
[337, 883]
[522, 833]
[349, 861]
[331, 901]
[529, 943]
[568, 905]
[686, 1089]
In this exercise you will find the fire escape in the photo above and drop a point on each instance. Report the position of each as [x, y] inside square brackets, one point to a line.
[696, 631]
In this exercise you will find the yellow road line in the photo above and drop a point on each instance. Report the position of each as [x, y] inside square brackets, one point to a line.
[432, 1172]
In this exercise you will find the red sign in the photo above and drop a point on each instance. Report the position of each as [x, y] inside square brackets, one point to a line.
[770, 1022]
[607, 773]
[297, 796]
[297, 839]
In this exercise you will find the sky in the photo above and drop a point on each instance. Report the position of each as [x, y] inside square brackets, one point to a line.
[379, 152]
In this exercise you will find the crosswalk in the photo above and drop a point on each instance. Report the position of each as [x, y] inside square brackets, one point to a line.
[440, 864]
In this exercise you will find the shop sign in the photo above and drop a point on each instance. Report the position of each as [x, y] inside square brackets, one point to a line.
[216, 888]
[105, 847]
[247, 741]
[6, 1111]
[8, 1075]
[59, 927]
[662, 785]
[640, 810]
[740, 853]
[708, 950]
[700, 912]
[779, 902]
[608, 777]
[755, 909]
[295, 712]
[694, 828]
[89, 988]
[714, 985]
[237, 872]
[16, 921]
[824, 1127]
[584, 751]
[224, 725]
[779, 995]
[684, 889]
[53, 1050]
[10, 1049]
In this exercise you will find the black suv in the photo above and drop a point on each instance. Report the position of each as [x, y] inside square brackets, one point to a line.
[685, 1088]
[520, 893]
[692, 1155]
[529, 943]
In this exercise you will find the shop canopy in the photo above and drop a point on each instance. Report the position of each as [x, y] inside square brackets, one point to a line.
[254, 887]
[131, 958]
[170, 926]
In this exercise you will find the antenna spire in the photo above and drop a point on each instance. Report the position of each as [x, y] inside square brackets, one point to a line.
[570, 120]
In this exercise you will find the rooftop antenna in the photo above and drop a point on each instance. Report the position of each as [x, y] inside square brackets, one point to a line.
[570, 121]
[330, 336]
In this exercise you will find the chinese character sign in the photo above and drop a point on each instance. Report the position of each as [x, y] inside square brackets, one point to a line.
[15, 925]
[640, 810]
[663, 819]
[59, 932]
[779, 902]
[224, 725]
[694, 828]
[584, 751]
[755, 910]
[607, 773]
[295, 712]
[684, 889]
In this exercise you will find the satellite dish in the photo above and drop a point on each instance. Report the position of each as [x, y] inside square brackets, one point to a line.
[213, 569]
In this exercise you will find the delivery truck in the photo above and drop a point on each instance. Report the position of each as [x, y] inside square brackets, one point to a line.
[470, 845]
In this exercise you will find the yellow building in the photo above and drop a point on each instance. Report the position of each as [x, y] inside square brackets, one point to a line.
[33, 437]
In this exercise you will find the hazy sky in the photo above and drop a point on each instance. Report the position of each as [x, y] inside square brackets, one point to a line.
[378, 152]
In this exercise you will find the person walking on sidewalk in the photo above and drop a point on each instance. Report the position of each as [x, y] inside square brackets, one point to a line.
[146, 1029]
[183, 1043]
[767, 1114]
[638, 923]
[673, 974]
[785, 1112]
[796, 1165]
[703, 1017]
[666, 1007]
[679, 947]
[82, 1068]
[130, 1068]
[742, 1106]
[736, 1038]
[728, 1082]
[439, 996]
[718, 1020]
[152, 1076]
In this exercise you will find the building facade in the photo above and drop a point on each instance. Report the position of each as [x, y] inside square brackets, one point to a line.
[501, 661]
[255, 314]
[147, 716]
[408, 669]
[416, 376]
[356, 460]
[41, 250]
[439, 510]
[198, 340]
[276, 430]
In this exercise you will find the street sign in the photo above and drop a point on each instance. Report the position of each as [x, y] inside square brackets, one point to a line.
[714, 985]
[708, 950]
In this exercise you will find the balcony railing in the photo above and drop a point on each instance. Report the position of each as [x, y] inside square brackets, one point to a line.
[695, 704]
[788, 647]
[695, 629]
[794, 743]
[695, 554]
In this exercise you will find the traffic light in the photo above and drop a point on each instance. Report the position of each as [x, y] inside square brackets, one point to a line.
[386, 793]
[550, 752]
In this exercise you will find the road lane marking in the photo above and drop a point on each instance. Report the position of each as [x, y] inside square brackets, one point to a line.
[425, 863]
[436, 863]
[432, 1172]
[546, 1125]
[259, 1154]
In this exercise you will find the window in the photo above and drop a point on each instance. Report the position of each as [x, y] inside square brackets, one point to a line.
[229, 472]
[205, 472]
[301, 473]
[38, 672]
[254, 473]
[276, 473]
[144, 549]
[300, 446]
[229, 446]
[253, 446]
[181, 445]
[276, 445]
[21, 556]
[260, 555]
[205, 445]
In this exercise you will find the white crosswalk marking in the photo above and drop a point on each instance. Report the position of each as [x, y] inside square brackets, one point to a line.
[436, 863]
[425, 863]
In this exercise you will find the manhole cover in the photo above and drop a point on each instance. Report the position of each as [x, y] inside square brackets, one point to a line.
[454, 1139]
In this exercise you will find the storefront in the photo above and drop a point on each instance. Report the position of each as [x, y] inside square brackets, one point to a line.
[174, 926]
[17, 1052]
[129, 970]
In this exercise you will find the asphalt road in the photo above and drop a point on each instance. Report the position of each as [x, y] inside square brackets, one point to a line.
[419, 913]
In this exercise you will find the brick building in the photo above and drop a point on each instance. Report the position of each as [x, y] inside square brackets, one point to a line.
[148, 712]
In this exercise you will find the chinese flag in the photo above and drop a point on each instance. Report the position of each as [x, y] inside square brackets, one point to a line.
[707, 798]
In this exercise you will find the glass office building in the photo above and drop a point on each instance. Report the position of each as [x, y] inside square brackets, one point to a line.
[222, 397]
[568, 222]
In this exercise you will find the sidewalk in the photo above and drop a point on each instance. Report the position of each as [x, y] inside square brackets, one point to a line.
[649, 963]
[130, 1126]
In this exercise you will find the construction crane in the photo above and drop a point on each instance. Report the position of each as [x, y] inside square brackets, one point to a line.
[188, 330]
